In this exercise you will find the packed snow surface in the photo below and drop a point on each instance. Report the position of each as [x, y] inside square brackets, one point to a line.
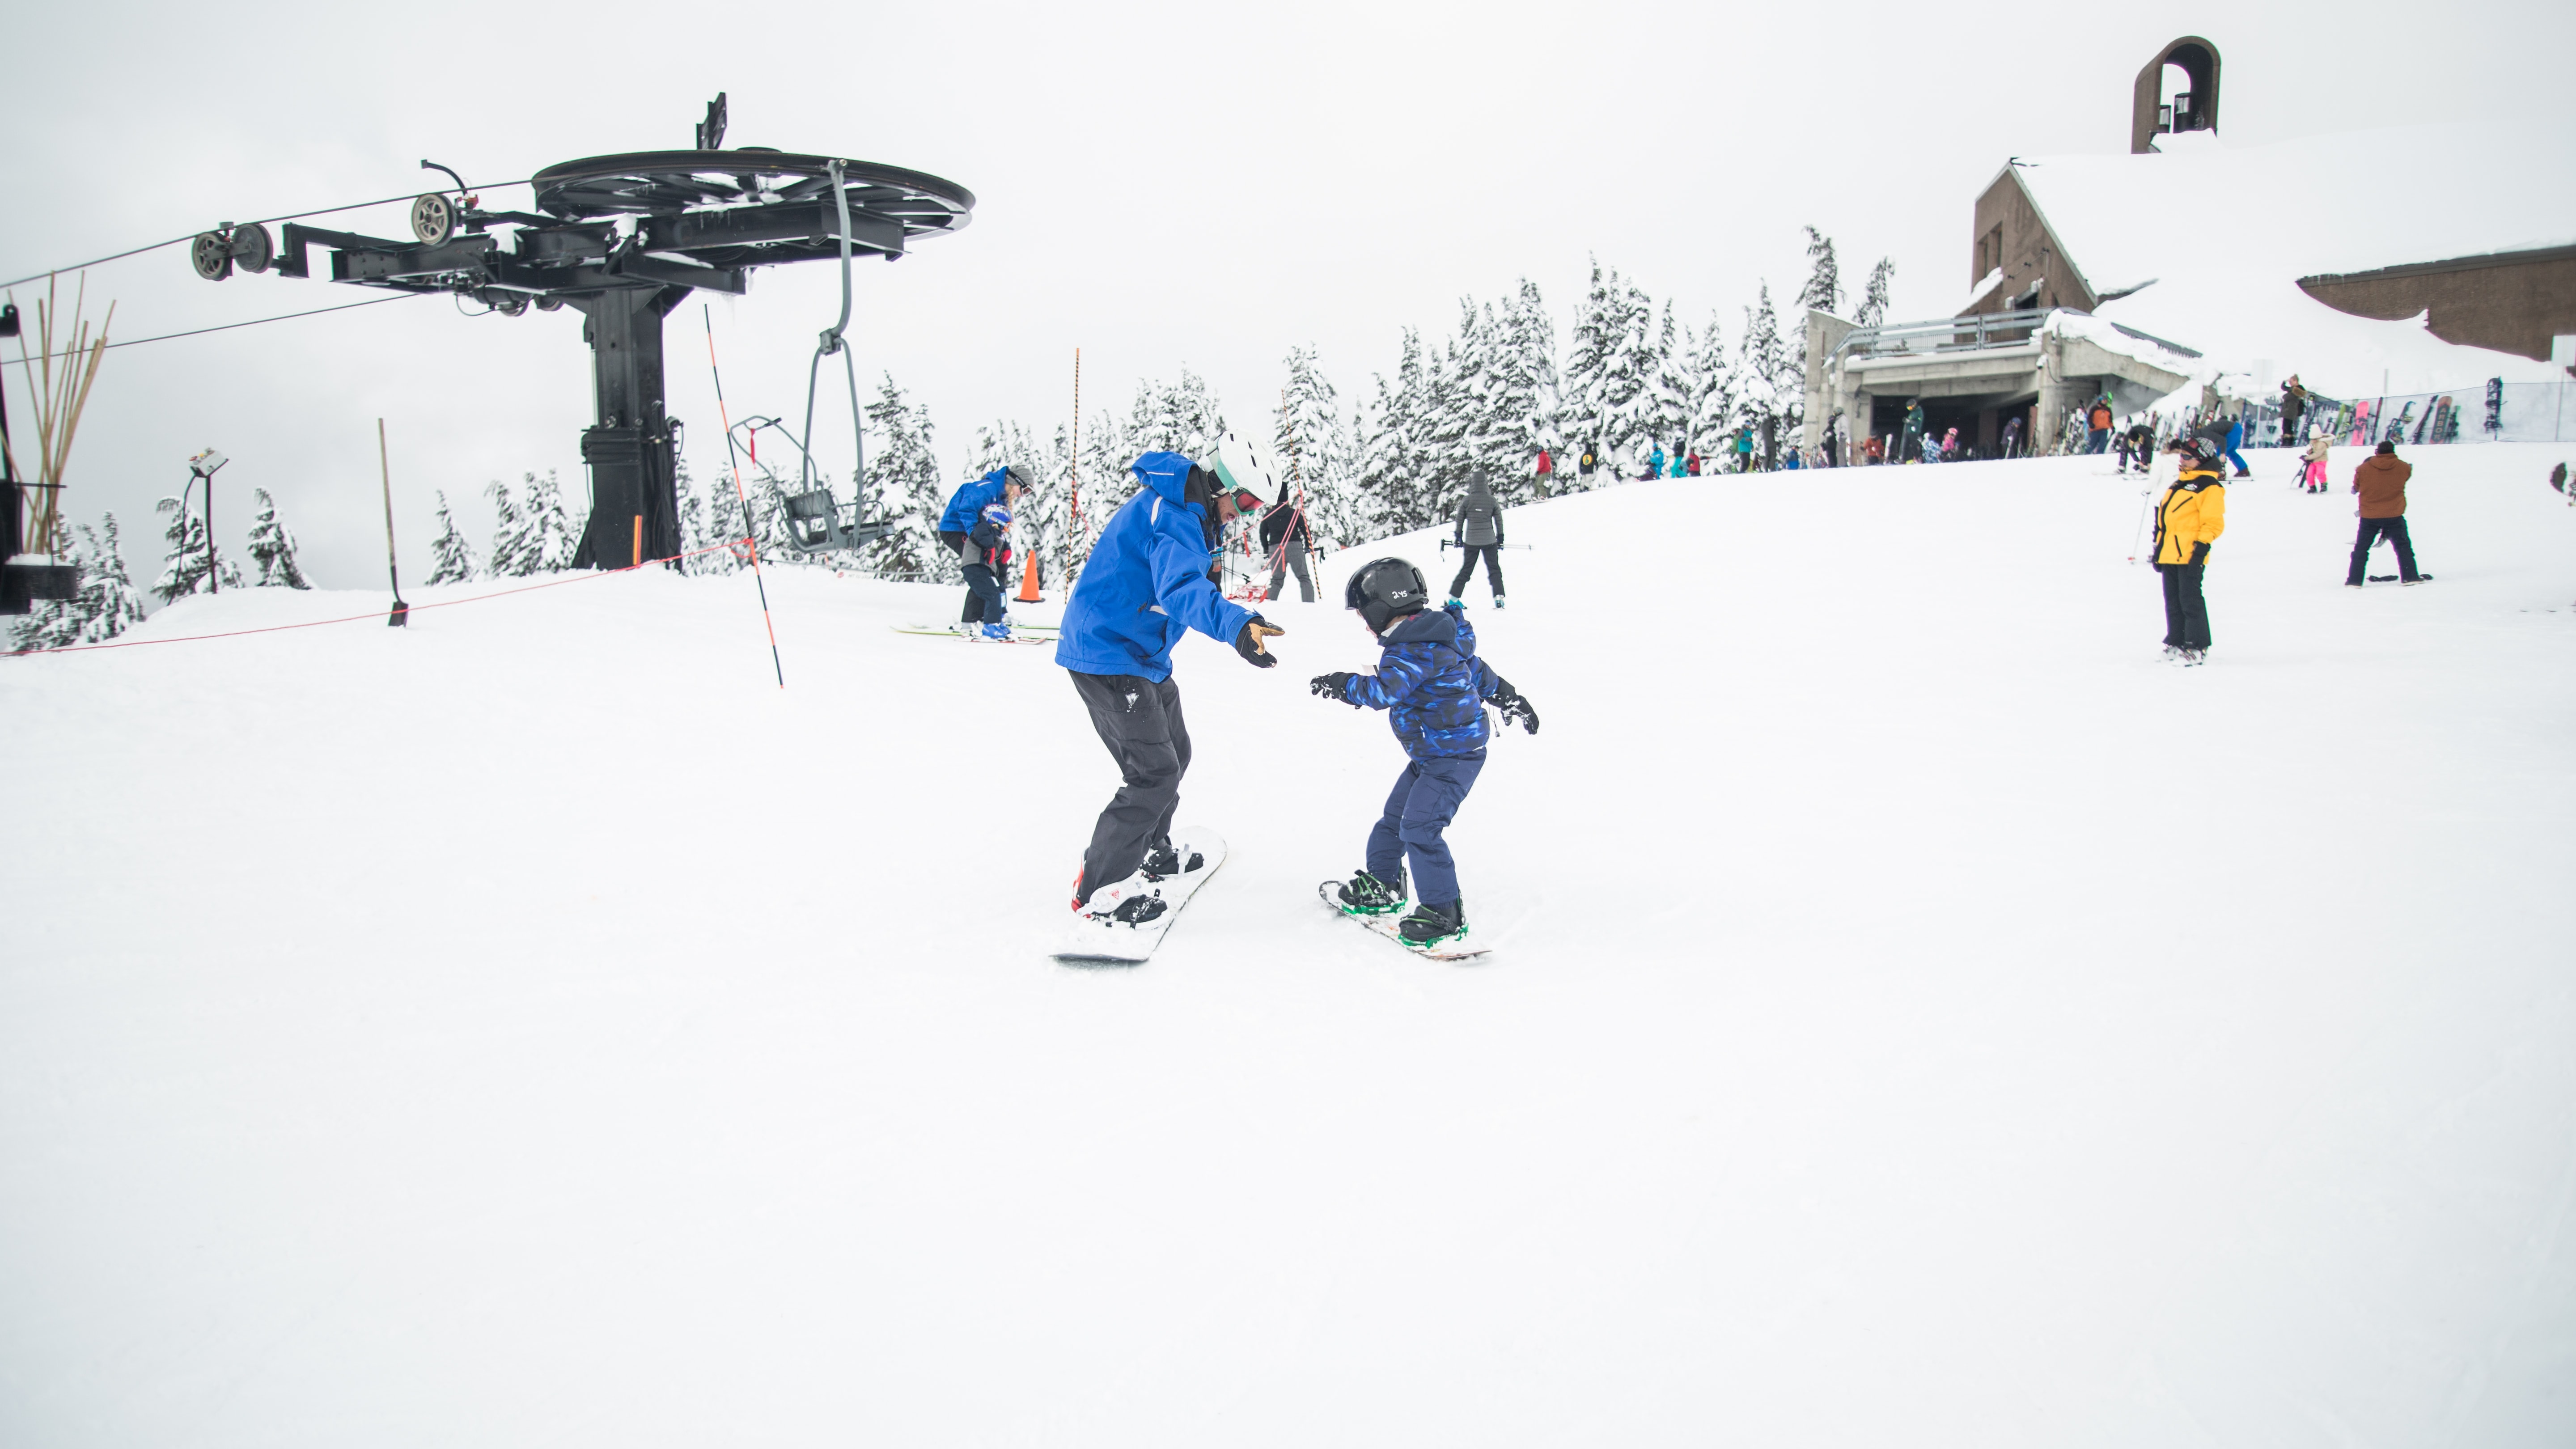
[1917, 1015]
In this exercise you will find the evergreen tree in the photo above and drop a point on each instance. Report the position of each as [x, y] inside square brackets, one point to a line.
[1773, 378]
[719, 509]
[451, 557]
[1824, 289]
[1873, 303]
[1672, 410]
[515, 549]
[1711, 392]
[272, 547]
[1394, 462]
[553, 540]
[1180, 418]
[903, 486]
[1521, 397]
[1611, 372]
[110, 604]
[183, 567]
[1309, 440]
[58, 623]
[692, 515]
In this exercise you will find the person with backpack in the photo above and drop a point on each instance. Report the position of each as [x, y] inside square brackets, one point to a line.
[1744, 448]
[1478, 527]
[2097, 436]
[2381, 483]
[1149, 580]
[2188, 521]
[1434, 689]
[1285, 538]
[1006, 486]
[1590, 460]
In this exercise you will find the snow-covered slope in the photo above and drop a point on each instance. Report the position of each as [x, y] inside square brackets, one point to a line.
[1918, 1017]
[2226, 232]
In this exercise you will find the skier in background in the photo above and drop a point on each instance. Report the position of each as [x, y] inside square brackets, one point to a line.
[1692, 466]
[1434, 688]
[1478, 526]
[1910, 444]
[1744, 449]
[2235, 440]
[2189, 520]
[1675, 469]
[2381, 483]
[1590, 460]
[1654, 464]
[2294, 406]
[2012, 434]
[1285, 538]
[987, 553]
[2097, 425]
[1148, 579]
[2313, 477]
[2138, 445]
[1546, 472]
[966, 506]
[1874, 450]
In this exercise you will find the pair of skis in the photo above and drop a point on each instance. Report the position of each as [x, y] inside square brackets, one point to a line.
[1114, 943]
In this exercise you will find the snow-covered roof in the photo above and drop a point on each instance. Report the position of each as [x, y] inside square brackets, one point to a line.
[2229, 230]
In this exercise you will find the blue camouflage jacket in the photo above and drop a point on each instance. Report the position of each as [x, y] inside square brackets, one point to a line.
[1432, 685]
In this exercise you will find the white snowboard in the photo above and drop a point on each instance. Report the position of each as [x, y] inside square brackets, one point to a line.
[1463, 949]
[1090, 944]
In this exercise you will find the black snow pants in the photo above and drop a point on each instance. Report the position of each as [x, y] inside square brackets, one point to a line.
[2372, 530]
[1467, 567]
[2186, 611]
[1292, 557]
[973, 613]
[1140, 721]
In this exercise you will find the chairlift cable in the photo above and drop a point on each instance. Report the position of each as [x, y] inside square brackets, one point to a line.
[229, 326]
[263, 221]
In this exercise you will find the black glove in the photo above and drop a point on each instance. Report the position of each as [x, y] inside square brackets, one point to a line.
[1335, 686]
[1248, 642]
[1515, 707]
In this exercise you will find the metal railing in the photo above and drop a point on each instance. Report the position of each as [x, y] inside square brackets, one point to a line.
[1950, 334]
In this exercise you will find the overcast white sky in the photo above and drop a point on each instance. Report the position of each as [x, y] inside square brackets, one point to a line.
[1160, 184]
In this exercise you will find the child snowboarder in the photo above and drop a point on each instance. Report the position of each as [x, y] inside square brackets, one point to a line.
[1434, 688]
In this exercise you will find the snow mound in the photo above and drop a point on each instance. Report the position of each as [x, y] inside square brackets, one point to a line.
[534, 1026]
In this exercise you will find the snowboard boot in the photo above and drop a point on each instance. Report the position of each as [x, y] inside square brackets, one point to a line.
[1001, 632]
[1431, 925]
[2194, 658]
[1454, 602]
[1365, 895]
[1165, 860]
[1498, 601]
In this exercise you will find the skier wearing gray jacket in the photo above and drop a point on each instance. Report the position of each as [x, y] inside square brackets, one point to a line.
[1479, 530]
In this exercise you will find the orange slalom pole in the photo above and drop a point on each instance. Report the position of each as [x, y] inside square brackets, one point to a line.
[750, 535]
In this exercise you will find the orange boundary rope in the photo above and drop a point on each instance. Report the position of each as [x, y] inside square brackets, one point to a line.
[374, 614]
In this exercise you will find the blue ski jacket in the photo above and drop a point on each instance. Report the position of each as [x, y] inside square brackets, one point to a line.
[1432, 685]
[966, 505]
[1146, 581]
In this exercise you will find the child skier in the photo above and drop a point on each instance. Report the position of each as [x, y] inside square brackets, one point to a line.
[2314, 479]
[1434, 689]
[987, 552]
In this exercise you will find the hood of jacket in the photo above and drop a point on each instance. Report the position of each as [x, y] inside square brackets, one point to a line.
[2387, 463]
[1477, 487]
[1431, 626]
[1168, 474]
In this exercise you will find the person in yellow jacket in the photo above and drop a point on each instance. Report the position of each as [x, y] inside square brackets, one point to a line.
[2190, 519]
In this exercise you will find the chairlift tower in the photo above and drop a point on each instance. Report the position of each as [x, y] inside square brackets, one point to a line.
[624, 239]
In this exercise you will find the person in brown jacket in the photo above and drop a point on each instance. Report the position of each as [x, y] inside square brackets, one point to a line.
[2381, 482]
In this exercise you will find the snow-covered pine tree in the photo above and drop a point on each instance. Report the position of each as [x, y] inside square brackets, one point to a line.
[1105, 483]
[1037, 525]
[1873, 302]
[551, 533]
[1824, 289]
[1712, 393]
[183, 567]
[1453, 408]
[1600, 387]
[1521, 395]
[1629, 422]
[1309, 440]
[1671, 398]
[110, 604]
[514, 552]
[692, 515]
[451, 556]
[272, 547]
[1393, 462]
[1773, 380]
[1181, 417]
[903, 485]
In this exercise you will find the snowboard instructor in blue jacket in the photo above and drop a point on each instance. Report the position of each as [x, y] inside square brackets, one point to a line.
[1147, 580]
[1006, 486]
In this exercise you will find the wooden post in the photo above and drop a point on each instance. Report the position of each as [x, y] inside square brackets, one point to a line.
[1073, 492]
[384, 463]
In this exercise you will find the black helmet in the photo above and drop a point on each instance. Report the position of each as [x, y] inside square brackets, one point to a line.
[1384, 589]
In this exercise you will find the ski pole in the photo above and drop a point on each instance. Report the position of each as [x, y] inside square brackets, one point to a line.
[384, 463]
[2146, 504]
[751, 535]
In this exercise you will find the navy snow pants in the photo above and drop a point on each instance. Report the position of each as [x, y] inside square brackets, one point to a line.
[1425, 799]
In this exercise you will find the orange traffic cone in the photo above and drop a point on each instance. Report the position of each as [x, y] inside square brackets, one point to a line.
[1029, 583]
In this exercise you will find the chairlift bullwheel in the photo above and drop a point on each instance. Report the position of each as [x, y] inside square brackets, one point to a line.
[433, 218]
[212, 255]
[684, 191]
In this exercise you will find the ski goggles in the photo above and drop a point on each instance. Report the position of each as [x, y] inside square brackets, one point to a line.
[1246, 501]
